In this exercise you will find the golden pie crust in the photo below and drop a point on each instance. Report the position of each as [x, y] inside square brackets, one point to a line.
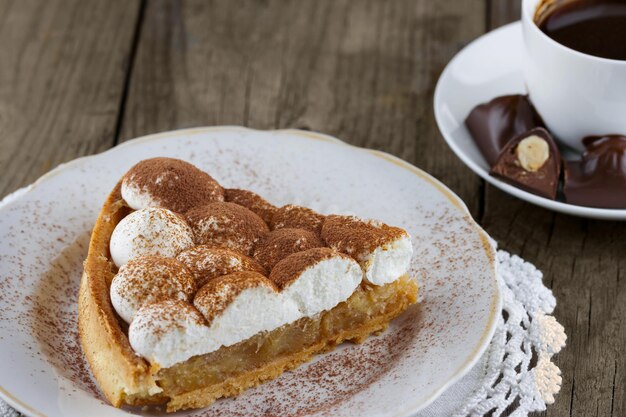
[126, 378]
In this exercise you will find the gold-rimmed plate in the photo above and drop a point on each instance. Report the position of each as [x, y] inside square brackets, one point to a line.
[44, 232]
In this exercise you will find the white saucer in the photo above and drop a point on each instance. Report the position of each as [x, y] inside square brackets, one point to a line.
[489, 67]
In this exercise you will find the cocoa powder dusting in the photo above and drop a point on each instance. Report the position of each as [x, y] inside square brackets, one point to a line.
[252, 202]
[226, 225]
[50, 314]
[169, 315]
[208, 262]
[357, 237]
[177, 185]
[297, 217]
[280, 243]
[152, 279]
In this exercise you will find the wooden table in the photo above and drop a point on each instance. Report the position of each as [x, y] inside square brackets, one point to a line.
[78, 77]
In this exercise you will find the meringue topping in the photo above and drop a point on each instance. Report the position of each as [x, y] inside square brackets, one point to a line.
[252, 202]
[169, 183]
[235, 307]
[250, 280]
[149, 279]
[168, 332]
[297, 217]
[226, 225]
[280, 243]
[384, 252]
[317, 279]
[208, 262]
[240, 305]
[150, 231]
[218, 294]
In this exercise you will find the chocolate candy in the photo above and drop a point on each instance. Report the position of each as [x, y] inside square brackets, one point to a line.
[531, 161]
[599, 178]
[494, 124]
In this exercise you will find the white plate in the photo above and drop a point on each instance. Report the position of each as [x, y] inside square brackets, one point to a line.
[489, 67]
[44, 233]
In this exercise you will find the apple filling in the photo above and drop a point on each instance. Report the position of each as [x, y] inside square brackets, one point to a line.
[367, 311]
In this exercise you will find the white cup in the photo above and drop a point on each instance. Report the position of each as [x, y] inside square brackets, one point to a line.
[576, 94]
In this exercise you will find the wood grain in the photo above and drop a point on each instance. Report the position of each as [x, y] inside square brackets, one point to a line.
[363, 71]
[62, 71]
[501, 12]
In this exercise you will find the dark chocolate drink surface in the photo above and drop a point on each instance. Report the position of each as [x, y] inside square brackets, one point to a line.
[593, 27]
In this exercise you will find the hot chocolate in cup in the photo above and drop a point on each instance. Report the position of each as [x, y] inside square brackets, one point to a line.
[576, 93]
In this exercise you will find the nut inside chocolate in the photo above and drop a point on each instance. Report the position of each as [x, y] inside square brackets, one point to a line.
[532, 153]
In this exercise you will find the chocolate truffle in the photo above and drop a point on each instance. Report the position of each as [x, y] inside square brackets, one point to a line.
[531, 161]
[494, 124]
[599, 178]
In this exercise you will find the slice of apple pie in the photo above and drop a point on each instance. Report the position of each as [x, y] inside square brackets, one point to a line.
[192, 292]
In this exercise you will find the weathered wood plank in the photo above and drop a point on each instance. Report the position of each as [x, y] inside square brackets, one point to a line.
[360, 70]
[62, 70]
[501, 12]
[582, 261]
[363, 71]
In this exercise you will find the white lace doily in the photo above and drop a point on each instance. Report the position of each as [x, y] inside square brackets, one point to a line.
[516, 373]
